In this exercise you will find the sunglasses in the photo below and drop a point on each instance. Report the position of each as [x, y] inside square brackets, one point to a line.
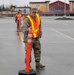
[34, 12]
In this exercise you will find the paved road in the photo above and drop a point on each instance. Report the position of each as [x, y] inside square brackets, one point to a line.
[57, 48]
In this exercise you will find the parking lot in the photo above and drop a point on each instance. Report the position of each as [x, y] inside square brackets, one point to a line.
[57, 46]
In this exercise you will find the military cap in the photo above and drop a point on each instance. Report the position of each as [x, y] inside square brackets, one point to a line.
[34, 9]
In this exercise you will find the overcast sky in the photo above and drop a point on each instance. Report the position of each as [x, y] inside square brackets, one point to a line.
[24, 2]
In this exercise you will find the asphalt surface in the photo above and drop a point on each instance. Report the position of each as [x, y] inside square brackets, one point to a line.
[57, 48]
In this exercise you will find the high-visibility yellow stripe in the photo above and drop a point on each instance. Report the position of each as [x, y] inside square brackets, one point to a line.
[34, 31]
[38, 19]
[34, 35]
[31, 22]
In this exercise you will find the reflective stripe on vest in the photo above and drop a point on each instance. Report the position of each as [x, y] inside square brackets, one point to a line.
[34, 25]
[38, 19]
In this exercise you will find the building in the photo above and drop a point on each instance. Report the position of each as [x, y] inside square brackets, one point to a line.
[71, 5]
[59, 8]
[14, 10]
[55, 8]
[24, 10]
[41, 6]
[44, 8]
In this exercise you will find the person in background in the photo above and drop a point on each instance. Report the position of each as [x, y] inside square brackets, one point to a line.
[33, 21]
[18, 18]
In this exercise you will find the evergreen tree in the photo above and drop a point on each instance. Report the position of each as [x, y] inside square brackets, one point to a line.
[0, 9]
[3, 8]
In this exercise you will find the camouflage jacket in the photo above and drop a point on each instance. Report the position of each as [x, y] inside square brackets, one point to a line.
[24, 29]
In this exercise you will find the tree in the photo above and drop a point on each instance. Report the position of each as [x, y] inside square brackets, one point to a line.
[0, 9]
[3, 8]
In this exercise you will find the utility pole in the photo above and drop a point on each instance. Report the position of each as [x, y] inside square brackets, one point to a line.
[65, 8]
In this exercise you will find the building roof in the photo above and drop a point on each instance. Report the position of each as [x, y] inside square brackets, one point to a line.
[38, 2]
[71, 0]
[22, 7]
[58, 3]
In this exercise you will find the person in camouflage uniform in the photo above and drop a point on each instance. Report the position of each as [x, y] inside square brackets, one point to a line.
[36, 45]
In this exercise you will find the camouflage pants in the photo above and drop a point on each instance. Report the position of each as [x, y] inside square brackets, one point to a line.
[36, 46]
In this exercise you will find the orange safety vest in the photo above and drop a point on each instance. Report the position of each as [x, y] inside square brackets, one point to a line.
[34, 25]
[18, 16]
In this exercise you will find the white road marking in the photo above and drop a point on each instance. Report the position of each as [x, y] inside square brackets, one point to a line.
[63, 34]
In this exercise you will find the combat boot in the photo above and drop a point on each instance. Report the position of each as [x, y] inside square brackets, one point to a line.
[39, 65]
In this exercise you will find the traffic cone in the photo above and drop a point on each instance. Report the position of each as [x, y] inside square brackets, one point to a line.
[28, 51]
[27, 70]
